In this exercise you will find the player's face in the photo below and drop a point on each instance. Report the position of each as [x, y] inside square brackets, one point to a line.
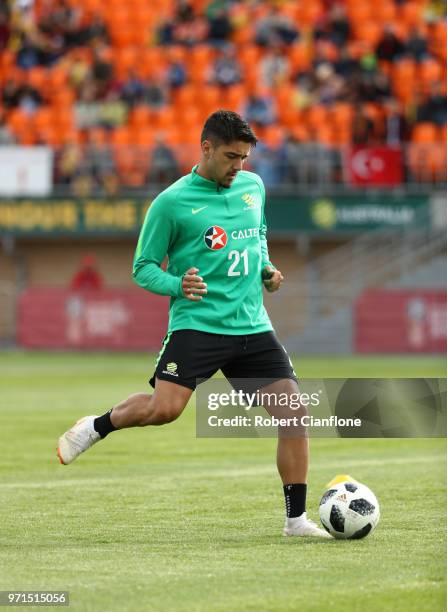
[224, 161]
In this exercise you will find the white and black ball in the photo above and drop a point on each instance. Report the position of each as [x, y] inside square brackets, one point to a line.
[349, 511]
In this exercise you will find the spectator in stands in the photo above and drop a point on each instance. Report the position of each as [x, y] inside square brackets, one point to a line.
[275, 28]
[98, 163]
[435, 106]
[338, 25]
[274, 67]
[101, 70]
[373, 86]
[226, 70]
[96, 31]
[329, 86]
[9, 94]
[219, 26]
[164, 168]
[416, 44]
[187, 29]
[389, 47]
[268, 162]
[29, 54]
[395, 125]
[28, 99]
[6, 136]
[68, 163]
[362, 127]
[156, 95]
[346, 65]
[293, 157]
[133, 90]
[5, 28]
[87, 277]
[176, 75]
[260, 109]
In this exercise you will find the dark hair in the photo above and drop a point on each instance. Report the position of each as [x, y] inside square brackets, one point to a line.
[226, 126]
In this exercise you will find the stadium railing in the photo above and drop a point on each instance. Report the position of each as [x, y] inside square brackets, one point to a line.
[137, 169]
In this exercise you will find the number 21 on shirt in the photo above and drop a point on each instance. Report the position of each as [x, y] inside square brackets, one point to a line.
[235, 257]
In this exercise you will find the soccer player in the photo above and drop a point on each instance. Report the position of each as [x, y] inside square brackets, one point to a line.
[210, 223]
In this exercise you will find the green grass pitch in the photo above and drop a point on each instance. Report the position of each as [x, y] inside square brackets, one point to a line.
[156, 519]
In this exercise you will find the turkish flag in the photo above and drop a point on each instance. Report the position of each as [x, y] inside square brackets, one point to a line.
[374, 166]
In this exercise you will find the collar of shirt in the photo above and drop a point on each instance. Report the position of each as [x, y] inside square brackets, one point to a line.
[196, 179]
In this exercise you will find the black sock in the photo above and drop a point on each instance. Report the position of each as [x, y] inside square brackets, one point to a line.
[103, 425]
[295, 496]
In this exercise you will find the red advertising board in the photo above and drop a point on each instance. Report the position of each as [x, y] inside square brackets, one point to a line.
[401, 321]
[98, 319]
[374, 166]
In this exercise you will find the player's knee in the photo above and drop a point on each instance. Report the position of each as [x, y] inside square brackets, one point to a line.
[168, 411]
[165, 410]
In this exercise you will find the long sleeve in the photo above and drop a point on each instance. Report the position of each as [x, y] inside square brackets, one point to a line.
[155, 239]
[263, 232]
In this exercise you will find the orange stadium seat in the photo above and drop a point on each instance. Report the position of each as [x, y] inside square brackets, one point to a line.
[142, 137]
[210, 99]
[289, 116]
[368, 32]
[63, 97]
[242, 35]
[430, 70]
[140, 117]
[385, 11]
[43, 118]
[172, 136]
[186, 96]
[234, 97]
[317, 116]
[403, 70]
[425, 133]
[18, 121]
[165, 118]
[300, 56]
[324, 134]
[427, 161]
[359, 12]
[308, 12]
[190, 119]
[56, 78]
[120, 136]
[273, 136]
[249, 55]
[177, 53]
[411, 13]
[341, 115]
[36, 77]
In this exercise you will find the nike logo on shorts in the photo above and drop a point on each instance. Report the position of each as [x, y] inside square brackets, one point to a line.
[197, 210]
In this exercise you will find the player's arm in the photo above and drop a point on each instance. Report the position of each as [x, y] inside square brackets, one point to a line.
[271, 277]
[156, 238]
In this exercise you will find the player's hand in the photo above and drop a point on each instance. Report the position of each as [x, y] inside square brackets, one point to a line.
[193, 286]
[272, 279]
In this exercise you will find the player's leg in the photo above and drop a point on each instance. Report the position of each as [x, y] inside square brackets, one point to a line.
[292, 458]
[139, 410]
[265, 363]
[186, 356]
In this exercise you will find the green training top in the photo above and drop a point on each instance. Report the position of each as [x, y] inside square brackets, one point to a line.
[222, 232]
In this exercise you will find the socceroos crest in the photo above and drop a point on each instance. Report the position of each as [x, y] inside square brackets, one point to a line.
[249, 200]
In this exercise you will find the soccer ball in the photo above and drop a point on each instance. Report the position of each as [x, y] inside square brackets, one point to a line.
[349, 511]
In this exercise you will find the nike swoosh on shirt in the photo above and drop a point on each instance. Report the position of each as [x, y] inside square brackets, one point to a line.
[197, 210]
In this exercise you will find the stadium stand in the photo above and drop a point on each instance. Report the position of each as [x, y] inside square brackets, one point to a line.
[129, 81]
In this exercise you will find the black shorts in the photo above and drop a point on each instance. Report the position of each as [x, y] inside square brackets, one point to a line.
[188, 356]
